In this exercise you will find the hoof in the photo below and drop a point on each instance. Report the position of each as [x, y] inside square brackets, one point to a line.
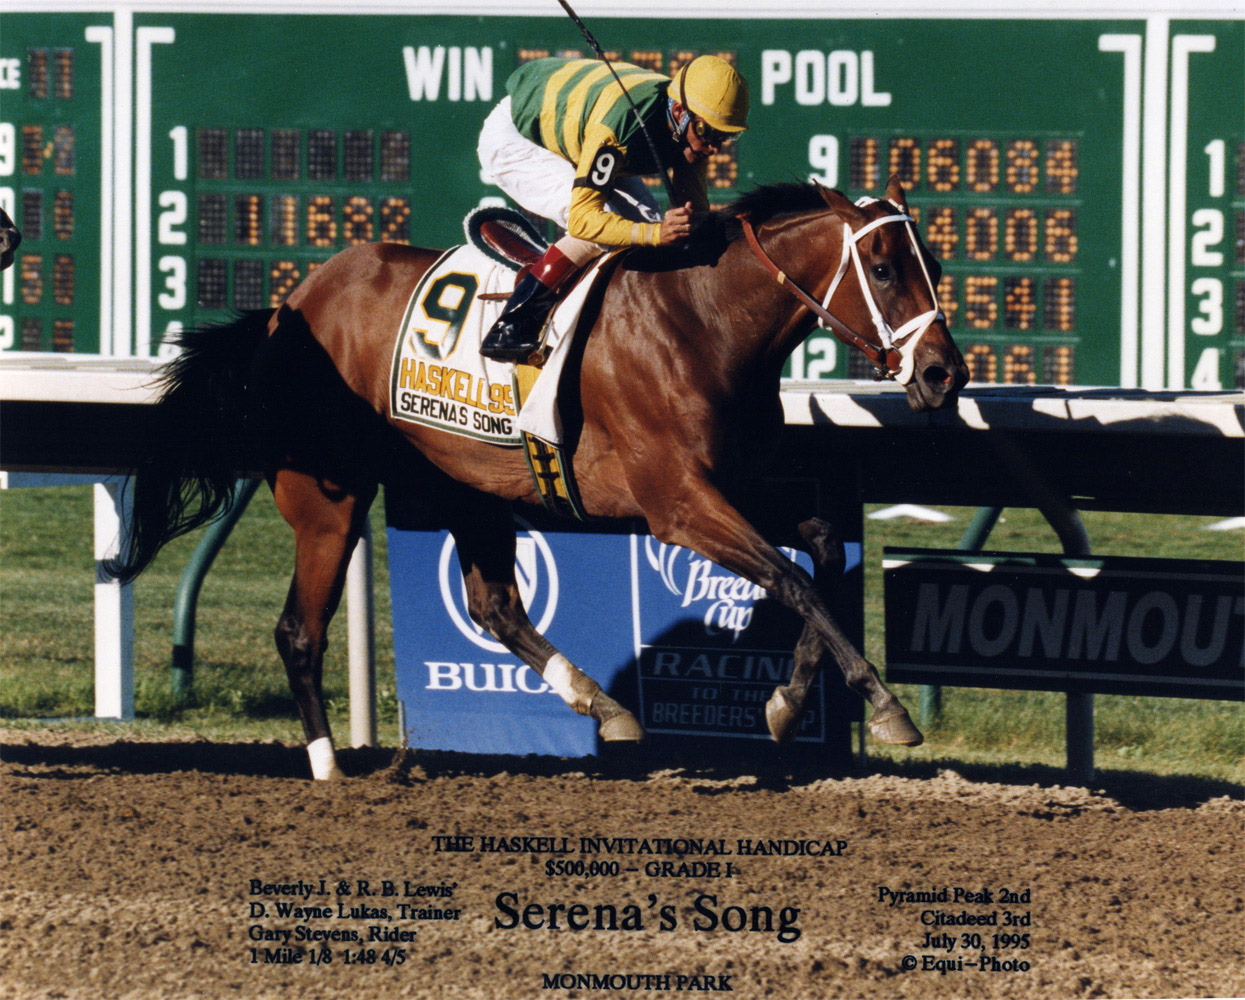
[781, 715]
[622, 728]
[895, 726]
[615, 723]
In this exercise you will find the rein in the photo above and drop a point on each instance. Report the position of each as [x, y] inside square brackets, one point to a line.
[898, 345]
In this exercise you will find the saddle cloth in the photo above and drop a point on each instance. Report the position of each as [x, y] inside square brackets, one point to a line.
[438, 377]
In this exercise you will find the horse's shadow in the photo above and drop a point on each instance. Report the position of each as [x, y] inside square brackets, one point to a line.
[266, 759]
[1136, 791]
[272, 759]
[1133, 790]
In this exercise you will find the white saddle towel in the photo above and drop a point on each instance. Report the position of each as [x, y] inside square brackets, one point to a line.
[439, 378]
[541, 417]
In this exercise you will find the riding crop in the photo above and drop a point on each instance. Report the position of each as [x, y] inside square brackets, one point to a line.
[596, 47]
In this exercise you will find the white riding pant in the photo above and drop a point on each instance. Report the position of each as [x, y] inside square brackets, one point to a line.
[541, 180]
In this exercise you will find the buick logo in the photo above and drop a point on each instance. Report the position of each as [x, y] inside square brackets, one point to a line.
[535, 572]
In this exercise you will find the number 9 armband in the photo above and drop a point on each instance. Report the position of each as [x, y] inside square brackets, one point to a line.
[601, 164]
[600, 170]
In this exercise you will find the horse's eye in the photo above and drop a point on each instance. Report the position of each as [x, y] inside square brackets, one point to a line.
[882, 272]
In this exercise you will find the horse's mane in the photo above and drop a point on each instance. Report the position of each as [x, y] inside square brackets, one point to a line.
[722, 226]
[770, 200]
[767, 202]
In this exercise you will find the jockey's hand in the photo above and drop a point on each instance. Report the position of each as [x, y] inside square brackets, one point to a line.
[676, 225]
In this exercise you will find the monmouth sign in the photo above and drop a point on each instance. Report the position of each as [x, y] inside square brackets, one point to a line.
[1168, 627]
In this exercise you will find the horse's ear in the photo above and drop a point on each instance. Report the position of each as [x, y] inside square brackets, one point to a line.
[895, 194]
[837, 200]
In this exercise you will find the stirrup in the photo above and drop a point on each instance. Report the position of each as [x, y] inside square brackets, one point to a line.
[518, 332]
[503, 349]
[509, 342]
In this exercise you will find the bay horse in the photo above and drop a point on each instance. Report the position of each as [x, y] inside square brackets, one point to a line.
[10, 238]
[677, 400]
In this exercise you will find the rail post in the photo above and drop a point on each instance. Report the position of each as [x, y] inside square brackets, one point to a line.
[114, 607]
[1078, 705]
[1060, 515]
[360, 623]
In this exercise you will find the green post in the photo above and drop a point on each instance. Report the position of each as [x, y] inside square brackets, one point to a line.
[192, 582]
[979, 529]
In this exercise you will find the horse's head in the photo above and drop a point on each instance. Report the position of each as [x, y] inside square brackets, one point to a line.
[9, 239]
[885, 293]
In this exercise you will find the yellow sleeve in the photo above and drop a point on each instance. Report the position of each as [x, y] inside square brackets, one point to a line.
[601, 160]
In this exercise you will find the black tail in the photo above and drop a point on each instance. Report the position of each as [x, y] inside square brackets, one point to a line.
[197, 440]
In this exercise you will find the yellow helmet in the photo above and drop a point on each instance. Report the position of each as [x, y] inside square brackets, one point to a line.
[712, 89]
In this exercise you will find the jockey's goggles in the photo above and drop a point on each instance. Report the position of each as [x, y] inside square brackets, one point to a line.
[705, 132]
[709, 135]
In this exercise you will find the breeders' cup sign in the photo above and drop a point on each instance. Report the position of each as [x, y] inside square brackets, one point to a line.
[1166, 627]
[727, 599]
[711, 646]
[692, 649]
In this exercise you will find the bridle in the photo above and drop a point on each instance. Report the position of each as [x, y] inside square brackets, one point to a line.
[896, 357]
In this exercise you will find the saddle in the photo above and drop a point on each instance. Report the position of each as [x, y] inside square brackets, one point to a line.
[506, 236]
[512, 240]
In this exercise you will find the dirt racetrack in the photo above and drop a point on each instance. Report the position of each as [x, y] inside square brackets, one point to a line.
[151, 870]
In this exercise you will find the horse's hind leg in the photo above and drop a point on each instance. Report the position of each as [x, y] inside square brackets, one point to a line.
[483, 529]
[327, 522]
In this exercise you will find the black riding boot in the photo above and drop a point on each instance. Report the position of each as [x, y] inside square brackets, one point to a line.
[516, 334]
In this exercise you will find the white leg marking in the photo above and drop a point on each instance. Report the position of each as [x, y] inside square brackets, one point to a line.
[575, 687]
[560, 675]
[323, 758]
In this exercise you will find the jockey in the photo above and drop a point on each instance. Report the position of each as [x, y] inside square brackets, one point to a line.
[566, 145]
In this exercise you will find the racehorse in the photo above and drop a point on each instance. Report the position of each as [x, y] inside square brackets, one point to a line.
[677, 397]
[10, 237]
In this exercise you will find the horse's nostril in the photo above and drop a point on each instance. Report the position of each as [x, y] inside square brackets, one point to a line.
[936, 377]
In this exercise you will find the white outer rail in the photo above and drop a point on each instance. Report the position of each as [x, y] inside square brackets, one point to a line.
[36, 378]
[83, 379]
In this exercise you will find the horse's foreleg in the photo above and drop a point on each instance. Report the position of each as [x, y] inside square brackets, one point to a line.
[327, 523]
[705, 521]
[785, 707]
[485, 539]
